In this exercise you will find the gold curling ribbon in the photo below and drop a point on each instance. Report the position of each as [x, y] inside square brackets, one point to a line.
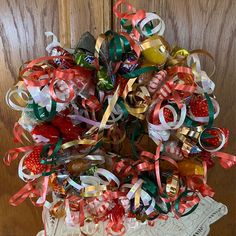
[137, 198]
[109, 109]
[98, 44]
[140, 106]
[205, 53]
[128, 87]
[154, 42]
[93, 191]
[78, 142]
[105, 118]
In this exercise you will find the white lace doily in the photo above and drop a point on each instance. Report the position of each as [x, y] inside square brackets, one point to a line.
[196, 224]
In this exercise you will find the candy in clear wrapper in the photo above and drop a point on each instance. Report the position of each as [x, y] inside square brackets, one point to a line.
[67, 62]
[86, 60]
[129, 64]
[105, 82]
[155, 50]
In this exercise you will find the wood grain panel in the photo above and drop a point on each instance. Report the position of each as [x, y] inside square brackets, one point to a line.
[22, 27]
[190, 23]
[209, 25]
[91, 15]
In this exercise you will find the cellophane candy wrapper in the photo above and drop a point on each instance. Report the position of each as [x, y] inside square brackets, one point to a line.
[121, 127]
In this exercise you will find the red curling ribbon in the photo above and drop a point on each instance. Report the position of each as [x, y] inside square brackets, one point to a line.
[18, 131]
[155, 113]
[67, 77]
[12, 154]
[125, 168]
[134, 45]
[38, 76]
[43, 192]
[92, 103]
[22, 194]
[187, 202]
[131, 14]
[81, 213]
[176, 91]
[71, 93]
[66, 74]
[130, 9]
[179, 69]
[36, 79]
[226, 160]
[157, 171]
[47, 58]
[157, 167]
[197, 183]
[115, 220]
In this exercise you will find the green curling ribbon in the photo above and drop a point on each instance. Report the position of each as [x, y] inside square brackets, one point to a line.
[104, 81]
[123, 108]
[139, 71]
[184, 194]
[190, 123]
[42, 114]
[211, 110]
[149, 186]
[119, 44]
[50, 159]
[148, 28]
[128, 28]
[167, 204]
[47, 173]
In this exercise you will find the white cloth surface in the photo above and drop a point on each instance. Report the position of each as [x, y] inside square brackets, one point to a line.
[196, 224]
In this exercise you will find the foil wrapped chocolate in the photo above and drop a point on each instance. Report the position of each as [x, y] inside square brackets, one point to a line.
[129, 64]
[67, 62]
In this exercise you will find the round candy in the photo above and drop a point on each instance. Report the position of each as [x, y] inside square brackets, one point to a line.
[32, 161]
[154, 50]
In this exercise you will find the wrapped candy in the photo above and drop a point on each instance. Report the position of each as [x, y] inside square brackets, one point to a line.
[120, 128]
[62, 62]
[155, 50]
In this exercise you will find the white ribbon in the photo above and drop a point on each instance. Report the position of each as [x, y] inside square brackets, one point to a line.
[158, 29]
[54, 42]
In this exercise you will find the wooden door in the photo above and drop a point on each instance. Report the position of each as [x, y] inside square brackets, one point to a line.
[192, 24]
